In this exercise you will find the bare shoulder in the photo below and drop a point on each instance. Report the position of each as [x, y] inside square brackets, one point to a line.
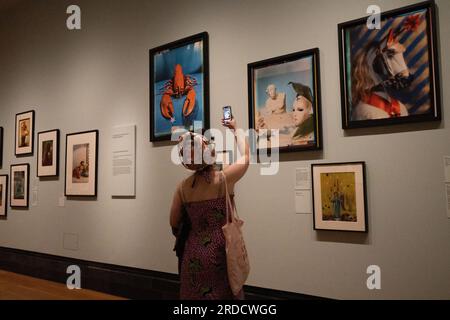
[186, 182]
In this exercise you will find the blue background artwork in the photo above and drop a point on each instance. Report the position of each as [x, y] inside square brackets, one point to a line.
[190, 57]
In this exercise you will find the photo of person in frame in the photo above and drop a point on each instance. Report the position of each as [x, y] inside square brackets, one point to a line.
[80, 170]
[47, 153]
[24, 133]
[338, 196]
[303, 115]
[19, 185]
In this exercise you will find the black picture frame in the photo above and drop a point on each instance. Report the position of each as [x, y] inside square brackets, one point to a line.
[360, 196]
[316, 91]
[57, 153]
[5, 204]
[27, 187]
[204, 38]
[94, 193]
[30, 153]
[434, 114]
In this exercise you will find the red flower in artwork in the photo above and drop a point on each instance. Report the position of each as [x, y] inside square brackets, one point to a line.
[412, 23]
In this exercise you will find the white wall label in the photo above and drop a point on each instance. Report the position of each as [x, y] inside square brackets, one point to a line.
[34, 198]
[124, 161]
[35, 193]
[61, 201]
[303, 202]
[303, 199]
[36, 184]
[302, 178]
[447, 169]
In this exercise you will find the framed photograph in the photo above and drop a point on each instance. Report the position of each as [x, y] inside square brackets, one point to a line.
[48, 154]
[179, 87]
[20, 185]
[284, 102]
[3, 195]
[339, 197]
[390, 75]
[24, 133]
[1, 147]
[81, 164]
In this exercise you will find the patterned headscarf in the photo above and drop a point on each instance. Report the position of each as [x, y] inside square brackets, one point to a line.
[195, 151]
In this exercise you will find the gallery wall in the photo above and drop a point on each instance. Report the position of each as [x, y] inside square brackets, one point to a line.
[97, 78]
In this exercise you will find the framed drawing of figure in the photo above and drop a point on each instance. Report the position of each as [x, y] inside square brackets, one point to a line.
[179, 87]
[284, 102]
[339, 197]
[48, 154]
[390, 75]
[81, 164]
[3, 195]
[24, 133]
[20, 185]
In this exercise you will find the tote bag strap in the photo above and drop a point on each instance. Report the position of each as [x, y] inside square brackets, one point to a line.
[231, 210]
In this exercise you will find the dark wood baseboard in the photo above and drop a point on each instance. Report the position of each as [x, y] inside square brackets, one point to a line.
[132, 283]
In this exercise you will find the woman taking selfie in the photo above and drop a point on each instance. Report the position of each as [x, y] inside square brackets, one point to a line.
[200, 203]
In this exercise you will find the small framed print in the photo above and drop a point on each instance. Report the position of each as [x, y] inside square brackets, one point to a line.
[24, 133]
[48, 154]
[3, 195]
[20, 185]
[81, 164]
[339, 197]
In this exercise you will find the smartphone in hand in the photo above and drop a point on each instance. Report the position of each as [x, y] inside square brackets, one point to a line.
[227, 114]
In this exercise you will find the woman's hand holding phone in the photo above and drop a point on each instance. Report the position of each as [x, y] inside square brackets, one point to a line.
[230, 124]
[228, 119]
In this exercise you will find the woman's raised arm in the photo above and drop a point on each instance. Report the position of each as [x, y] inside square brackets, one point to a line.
[238, 169]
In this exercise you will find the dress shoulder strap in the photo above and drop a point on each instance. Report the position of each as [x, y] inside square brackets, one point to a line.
[183, 199]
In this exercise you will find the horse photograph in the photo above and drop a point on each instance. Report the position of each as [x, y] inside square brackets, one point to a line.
[388, 74]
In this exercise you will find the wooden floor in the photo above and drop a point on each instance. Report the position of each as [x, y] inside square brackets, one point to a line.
[19, 287]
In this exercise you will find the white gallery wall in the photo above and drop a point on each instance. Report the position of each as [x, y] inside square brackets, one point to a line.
[97, 78]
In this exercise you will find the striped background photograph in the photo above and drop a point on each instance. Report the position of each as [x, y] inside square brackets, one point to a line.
[417, 97]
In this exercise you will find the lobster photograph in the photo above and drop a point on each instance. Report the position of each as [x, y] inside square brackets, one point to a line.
[179, 87]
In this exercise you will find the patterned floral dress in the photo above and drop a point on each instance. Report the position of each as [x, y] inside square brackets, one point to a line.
[204, 269]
